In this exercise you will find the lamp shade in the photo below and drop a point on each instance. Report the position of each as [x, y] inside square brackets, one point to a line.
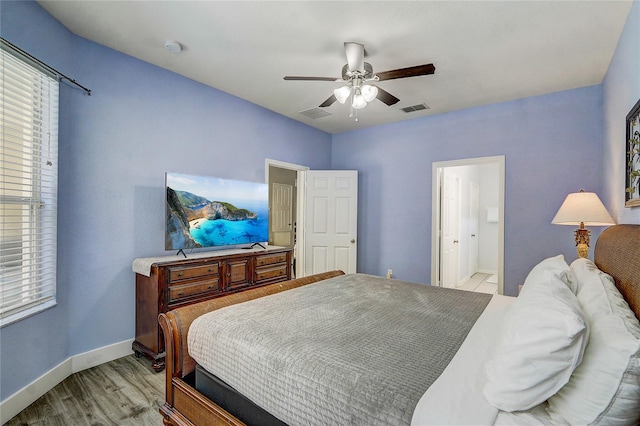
[342, 93]
[583, 207]
[369, 92]
[358, 101]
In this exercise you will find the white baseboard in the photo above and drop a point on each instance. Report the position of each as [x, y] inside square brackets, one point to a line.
[100, 356]
[26, 396]
[463, 281]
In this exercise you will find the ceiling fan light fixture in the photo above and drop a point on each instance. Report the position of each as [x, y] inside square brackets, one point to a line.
[356, 74]
[342, 93]
[359, 101]
[369, 92]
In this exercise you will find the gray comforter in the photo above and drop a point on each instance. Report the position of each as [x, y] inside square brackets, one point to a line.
[353, 350]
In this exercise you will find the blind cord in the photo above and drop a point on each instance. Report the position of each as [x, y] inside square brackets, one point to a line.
[58, 74]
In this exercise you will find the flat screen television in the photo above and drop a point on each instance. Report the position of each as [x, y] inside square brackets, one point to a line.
[206, 211]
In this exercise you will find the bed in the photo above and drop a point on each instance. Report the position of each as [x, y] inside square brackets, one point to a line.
[567, 350]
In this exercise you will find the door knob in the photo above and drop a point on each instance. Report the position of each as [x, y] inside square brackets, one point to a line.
[455, 241]
[353, 241]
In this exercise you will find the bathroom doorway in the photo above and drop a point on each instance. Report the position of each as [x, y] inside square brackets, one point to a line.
[468, 221]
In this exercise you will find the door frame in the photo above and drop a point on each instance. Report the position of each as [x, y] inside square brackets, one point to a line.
[436, 182]
[300, 200]
[474, 215]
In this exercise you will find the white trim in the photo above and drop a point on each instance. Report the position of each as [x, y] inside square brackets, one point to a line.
[301, 212]
[26, 396]
[25, 313]
[463, 281]
[436, 184]
[281, 164]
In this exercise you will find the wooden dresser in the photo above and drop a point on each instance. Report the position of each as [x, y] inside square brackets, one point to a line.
[173, 282]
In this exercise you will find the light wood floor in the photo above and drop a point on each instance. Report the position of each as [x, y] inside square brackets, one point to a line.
[121, 392]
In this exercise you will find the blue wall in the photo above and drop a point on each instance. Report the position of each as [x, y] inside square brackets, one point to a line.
[115, 147]
[33, 346]
[546, 141]
[621, 92]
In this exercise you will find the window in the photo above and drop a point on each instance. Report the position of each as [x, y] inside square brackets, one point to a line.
[28, 188]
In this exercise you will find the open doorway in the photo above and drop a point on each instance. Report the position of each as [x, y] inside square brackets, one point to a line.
[468, 221]
[284, 207]
[317, 217]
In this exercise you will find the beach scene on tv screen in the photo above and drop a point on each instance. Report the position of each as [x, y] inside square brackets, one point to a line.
[204, 211]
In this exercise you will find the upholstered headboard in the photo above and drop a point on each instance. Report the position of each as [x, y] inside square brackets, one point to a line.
[618, 254]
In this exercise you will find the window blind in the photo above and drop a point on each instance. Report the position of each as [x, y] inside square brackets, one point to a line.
[28, 188]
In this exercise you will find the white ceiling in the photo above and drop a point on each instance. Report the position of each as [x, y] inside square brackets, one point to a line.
[484, 51]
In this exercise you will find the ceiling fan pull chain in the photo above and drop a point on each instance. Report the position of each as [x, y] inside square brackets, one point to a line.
[351, 104]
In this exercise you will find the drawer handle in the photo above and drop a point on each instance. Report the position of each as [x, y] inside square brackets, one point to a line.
[210, 269]
[180, 274]
[210, 287]
[181, 293]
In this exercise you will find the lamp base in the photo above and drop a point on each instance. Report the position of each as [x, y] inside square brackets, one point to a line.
[582, 241]
[583, 250]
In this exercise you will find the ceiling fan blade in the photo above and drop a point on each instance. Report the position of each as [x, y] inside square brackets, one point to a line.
[386, 97]
[407, 72]
[329, 101]
[355, 56]
[298, 78]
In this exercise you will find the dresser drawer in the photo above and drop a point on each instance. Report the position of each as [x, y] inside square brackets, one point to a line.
[182, 282]
[187, 272]
[276, 273]
[177, 292]
[271, 259]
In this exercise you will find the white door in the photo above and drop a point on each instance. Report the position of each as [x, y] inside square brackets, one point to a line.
[282, 214]
[330, 221]
[450, 229]
[474, 203]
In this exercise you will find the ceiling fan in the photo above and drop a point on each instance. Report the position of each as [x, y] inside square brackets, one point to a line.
[358, 76]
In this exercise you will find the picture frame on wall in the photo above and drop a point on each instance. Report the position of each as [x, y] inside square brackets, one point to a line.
[632, 183]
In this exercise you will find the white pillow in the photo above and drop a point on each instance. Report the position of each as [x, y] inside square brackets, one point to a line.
[543, 338]
[556, 265]
[605, 388]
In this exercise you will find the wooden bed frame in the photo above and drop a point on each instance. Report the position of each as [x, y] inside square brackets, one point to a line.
[617, 253]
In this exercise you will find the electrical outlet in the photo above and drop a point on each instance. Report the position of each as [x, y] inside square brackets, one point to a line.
[389, 273]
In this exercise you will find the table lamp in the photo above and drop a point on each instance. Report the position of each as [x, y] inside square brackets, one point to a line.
[583, 208]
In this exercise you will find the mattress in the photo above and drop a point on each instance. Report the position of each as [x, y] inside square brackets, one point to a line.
[232, 401]
[455, 398]
[355, 349]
